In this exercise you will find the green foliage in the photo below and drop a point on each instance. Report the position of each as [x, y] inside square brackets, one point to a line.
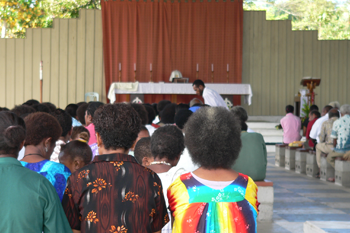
[305, 110]
[17, 15]
[330, 19]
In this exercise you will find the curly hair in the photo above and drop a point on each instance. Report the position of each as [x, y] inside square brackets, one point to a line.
[141, 110]
[167, 142]
[31, 102]
[41, 125]
[161, 105]
[213, 137]
[71, 109]
[41, 108]
[240, 112]
[64, 119]
[22, 109]
[12, 133]
[117, 124]
[143, 149]
[92, 107]
[181, 117]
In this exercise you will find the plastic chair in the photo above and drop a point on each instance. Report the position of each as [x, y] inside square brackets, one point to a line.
[92, 96]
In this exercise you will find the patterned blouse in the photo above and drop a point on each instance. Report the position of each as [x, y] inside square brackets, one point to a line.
[199, 208]
[115, 194]
[56, 173]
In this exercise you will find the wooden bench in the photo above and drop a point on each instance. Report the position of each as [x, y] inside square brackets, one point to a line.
[311, 164]
[326, 170]
[280, 155]
[290, 157]
[342, 172]
[300, 160]
[265, 198]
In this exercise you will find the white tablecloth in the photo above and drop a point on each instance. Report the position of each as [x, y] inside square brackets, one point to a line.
[183, 89]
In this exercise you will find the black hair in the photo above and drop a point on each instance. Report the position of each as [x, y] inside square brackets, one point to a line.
[12, 133]
[154, 105]
[41, 108]
[41, 125]
[64, 119]
[181, 107]
[150, 112]
[81, 103]
[81, 112]
[161, 105]
[240, 112]
[71, 109]
[31, 102]
[80, 132]
[198, 82]
[327, 108]
[213, 137]
[141, 110]
[22, 109]
[333, 113]
[79, 149]
[51, 106]
[181, 117]
[289, 109]
[92, 107]
[143, 149]
[4, 109]
[316, 113]
[313, 107]
[168, 114]
[167, 142]
[118, 125]
[244, 126]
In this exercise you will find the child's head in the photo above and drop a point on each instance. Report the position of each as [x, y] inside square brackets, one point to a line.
[167, 143]
[142, 151]
[142, 134]
[75, 155]
[80, 133]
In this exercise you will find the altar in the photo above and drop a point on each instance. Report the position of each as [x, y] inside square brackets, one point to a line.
[177, 89]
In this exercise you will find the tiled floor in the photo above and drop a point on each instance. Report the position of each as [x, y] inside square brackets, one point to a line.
[299, 198]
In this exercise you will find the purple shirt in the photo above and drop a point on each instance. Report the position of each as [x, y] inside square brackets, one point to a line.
[291, 128]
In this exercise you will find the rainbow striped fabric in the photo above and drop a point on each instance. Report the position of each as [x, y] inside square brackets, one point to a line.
[200, 209]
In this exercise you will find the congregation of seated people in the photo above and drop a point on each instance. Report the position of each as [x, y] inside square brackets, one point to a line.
[126, 167]
[326, 133]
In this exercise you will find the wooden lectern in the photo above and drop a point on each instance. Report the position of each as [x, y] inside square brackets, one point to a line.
[311, 84]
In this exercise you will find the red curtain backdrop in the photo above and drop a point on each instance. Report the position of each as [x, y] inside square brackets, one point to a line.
[172, 35]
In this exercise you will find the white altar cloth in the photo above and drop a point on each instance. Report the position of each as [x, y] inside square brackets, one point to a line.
[182, 89]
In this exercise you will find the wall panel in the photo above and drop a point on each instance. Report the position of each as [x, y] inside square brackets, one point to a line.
[275, 59]
[290, 56]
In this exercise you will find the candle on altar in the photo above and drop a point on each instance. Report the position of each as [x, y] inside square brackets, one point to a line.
[228, 69]
[150, 67]
[197, 67]
[120, 66]
[212, 67]
[41, 70]
[134, 66]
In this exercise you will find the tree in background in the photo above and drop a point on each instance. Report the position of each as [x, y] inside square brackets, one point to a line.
[332, 20]
[17, 15]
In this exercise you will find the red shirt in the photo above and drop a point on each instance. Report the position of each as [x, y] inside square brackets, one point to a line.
[309, 127]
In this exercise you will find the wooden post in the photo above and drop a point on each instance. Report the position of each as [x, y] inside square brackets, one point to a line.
[120, 74]
[227, 76]
[41, 91]
[212, 76]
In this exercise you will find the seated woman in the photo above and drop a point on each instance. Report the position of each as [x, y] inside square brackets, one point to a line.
[114, 192]
[252, 159]
[213, 198]
[167, 144]
[28, 199]
[75, 155]
[43, 130]
[80, 133]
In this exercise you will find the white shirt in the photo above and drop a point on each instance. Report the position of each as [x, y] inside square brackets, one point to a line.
[316, 128]
[212, 98]
[150, 129]
[186, 163]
